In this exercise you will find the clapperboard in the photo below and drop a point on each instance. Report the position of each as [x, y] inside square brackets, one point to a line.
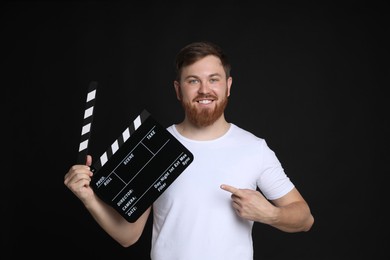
[139, 165]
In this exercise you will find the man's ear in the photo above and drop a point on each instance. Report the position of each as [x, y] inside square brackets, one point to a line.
[229, 85]
[177, 89]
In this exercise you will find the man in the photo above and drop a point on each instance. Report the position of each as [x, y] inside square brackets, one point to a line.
[209, 210]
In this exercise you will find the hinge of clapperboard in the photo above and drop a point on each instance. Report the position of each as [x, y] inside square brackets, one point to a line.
[87, 127]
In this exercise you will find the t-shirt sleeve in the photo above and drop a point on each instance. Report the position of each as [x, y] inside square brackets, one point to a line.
[273, 181]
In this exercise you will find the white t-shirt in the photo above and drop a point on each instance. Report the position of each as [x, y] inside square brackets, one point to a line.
[193, 219]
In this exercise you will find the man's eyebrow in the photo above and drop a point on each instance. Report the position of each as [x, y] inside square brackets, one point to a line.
[191, 76]
[215, 74]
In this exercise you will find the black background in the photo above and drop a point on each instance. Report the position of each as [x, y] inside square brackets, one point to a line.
[310, 78]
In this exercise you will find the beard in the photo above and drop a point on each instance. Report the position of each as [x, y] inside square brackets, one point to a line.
[205, 116]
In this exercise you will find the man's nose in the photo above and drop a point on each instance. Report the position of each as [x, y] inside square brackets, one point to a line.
[204, 88]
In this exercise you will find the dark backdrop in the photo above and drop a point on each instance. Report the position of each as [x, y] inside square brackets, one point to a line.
[309, 78]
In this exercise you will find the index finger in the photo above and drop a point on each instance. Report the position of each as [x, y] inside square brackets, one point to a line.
[229, 188]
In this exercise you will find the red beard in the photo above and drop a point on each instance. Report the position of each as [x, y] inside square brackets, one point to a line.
[206, 116]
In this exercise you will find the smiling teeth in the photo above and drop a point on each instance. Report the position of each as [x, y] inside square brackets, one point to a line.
[204, 101]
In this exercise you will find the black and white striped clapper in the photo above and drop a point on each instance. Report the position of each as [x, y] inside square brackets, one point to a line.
[87, 122]
[133, 126]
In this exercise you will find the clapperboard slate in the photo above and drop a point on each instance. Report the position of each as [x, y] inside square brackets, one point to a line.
[138, 167]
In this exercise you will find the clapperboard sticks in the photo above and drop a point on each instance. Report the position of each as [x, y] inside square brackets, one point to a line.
[87, 127]
[121, 140]
[87, 123]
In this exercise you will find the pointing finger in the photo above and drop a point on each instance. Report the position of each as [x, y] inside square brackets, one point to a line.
[229, 188]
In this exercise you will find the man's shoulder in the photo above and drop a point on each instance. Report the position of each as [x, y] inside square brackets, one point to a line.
[243, 132]
[241, 135]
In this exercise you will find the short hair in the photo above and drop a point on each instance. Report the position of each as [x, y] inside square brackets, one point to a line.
[195, 51]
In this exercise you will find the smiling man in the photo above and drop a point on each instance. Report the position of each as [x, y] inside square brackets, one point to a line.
[209, 211]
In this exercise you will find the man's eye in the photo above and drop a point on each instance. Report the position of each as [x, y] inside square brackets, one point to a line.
[213, 80]
[193, 81]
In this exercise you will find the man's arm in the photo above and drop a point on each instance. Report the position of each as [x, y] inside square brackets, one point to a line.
[289, 213]
[124, 232]
[77, 179]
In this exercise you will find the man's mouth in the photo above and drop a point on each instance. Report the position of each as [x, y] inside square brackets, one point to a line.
[205, 101]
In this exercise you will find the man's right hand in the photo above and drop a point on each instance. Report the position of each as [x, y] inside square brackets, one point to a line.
[78, 178]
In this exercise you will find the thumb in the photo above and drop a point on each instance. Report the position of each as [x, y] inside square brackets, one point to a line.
[89, 160]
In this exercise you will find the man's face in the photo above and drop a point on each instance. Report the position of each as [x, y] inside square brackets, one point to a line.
[203, 91]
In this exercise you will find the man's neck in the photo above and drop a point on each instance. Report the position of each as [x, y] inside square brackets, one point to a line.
[213, 131]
